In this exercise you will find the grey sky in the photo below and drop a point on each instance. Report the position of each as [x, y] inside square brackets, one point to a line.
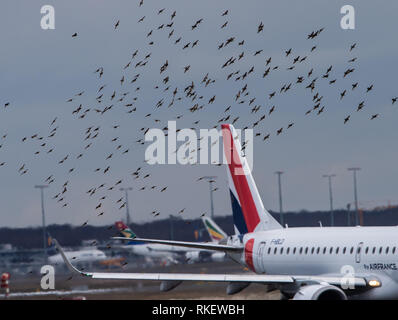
[42, 69]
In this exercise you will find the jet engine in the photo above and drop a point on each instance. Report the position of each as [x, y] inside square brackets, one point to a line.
[204, 256]
[218, 256]
[193, 256]
[169, 285]
[320, 292]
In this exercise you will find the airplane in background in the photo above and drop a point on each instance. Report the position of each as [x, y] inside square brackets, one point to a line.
[80, 256]
[84, 256]
[216, 234]
[305, 263]
[173, 253]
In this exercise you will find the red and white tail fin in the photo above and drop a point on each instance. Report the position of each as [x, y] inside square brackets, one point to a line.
[248, 210]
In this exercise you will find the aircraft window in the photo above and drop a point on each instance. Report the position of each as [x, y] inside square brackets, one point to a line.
[344, 250]
[317, 250]
[374, 250]
[324, 250]
[359, 250]
[275, 250]
[294, 250]
[366, 250]
[352, 250]
[282, 250]
[301, 250]
[312, 250]
[269, 250]
[387, 249]
[393, 250]
[331, 250]
[380, 250]
[287, 250]
[337, 250]
[306, 250]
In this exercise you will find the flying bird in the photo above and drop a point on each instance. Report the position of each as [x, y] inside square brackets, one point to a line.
[260, 27]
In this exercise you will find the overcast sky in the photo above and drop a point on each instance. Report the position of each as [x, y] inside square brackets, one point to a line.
[41, 69]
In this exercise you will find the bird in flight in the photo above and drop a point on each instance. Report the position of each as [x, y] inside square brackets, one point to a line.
[260, 27]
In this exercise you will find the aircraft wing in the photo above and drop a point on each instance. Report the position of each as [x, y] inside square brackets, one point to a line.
[197, 245]
[362, 281]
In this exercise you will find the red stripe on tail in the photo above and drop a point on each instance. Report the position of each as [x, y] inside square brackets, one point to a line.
[239, 178]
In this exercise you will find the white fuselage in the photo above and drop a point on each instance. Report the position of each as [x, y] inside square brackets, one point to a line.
[154, 250]
[159, 251]
[82, 256]
[327, 250]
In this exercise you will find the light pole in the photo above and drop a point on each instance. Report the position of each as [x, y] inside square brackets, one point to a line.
[41, 187]
[127, 203]
[354, 170]
[348, 214]
[330, 176]
[279, 173]
[210, 180]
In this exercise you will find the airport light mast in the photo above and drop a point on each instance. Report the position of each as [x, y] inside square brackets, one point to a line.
[41, 187]
[279, 173]
[210, 180]
[127, 203]
[348, 214]
[354, 170]
[330, 176]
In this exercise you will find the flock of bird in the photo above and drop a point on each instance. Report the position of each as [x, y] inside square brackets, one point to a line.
[187, 98]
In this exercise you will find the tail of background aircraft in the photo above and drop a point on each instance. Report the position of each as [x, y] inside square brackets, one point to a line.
[215, 232]
[248, 210]
[125, 230]
[50, 245]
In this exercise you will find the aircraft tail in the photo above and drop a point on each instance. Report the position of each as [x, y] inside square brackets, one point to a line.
[248, 210]
[124, 230]
[50, 245]
[215, 232]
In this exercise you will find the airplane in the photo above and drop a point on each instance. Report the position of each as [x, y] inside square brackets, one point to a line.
[172, 253]
[303, 263]
[216, 234]
[85, 256]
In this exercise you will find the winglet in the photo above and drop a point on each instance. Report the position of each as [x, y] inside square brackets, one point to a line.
[67, 262]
